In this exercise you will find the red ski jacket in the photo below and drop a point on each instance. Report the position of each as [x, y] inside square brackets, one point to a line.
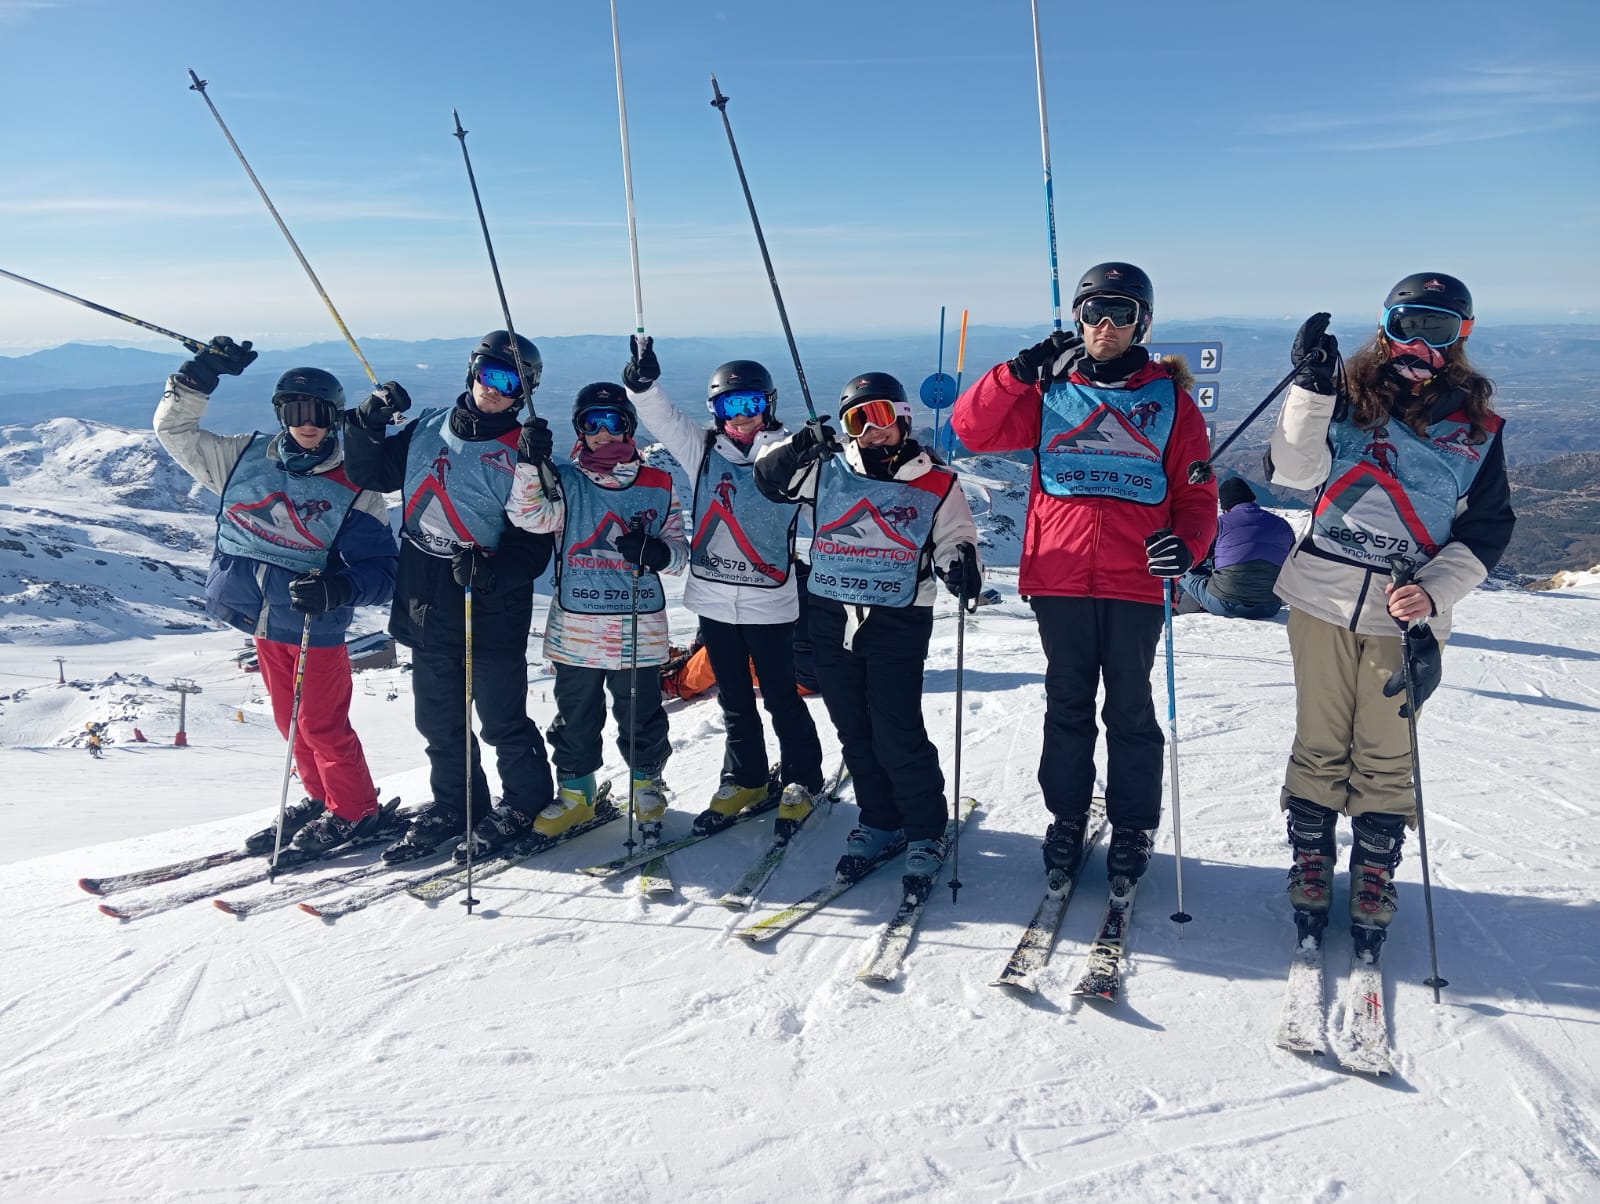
[1093, 547]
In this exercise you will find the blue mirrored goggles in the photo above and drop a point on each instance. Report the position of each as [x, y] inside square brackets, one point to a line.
[498, 377]
[749, 404]
[592, 422]
[1438, 328]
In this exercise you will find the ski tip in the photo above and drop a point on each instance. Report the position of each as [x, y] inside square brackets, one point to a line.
[224, 905]
[92, 885]
[311, 909]
[107, 909]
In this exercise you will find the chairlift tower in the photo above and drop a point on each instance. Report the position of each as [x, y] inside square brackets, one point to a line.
[183, 687]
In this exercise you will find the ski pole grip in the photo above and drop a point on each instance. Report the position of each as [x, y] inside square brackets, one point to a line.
[1200, 472]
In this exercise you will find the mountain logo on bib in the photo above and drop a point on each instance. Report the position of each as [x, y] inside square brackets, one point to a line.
[600, 550]
[433, 520]
[867, 532]
[501, 459]
[720, 543]
[1371, 502]
[1106, 432]
[276, 519]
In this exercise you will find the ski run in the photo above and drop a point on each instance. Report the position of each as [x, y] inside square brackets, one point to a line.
[409, 1051]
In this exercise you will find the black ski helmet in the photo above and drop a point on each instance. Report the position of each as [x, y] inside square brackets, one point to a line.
[743, 376]
[603, 395]
[309, 382]
[873, 386]
[1432, 288]
[1118, 279]
[496, 346]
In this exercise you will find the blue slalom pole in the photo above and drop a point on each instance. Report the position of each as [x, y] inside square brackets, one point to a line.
[1049, 188]
[938, 417]
[1180, 916]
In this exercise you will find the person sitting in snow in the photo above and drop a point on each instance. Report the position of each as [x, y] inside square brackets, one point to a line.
[1237, 578]
[299, 545]
[871, 608]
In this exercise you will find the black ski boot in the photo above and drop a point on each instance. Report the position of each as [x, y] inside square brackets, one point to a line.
[1129, 854]
[430, 828]
[1311, 832]
[1063, 847]
[295, 817]
[504, 826]
[1373, 858]
[328, 831]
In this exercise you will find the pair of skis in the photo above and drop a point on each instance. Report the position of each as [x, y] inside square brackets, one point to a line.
[1362, 1041]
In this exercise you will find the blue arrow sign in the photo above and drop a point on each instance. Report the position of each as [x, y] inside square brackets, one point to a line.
[1202, 357]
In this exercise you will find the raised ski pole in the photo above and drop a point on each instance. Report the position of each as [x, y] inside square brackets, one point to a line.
[627, 182]
[288, 757]
[1049, 187]
[547, 475]
[633, 688]
[719, 102]
[466, 600]
[969, 555]
[961, 363]
[194, 345]
[1200, 470]
[1180, 916]
[1401, 572]
[199, 85]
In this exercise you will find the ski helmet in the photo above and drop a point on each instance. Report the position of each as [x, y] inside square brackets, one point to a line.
[1433, 288]
[603, 395]
[877, 386]
[743, 376]
[313, 383]
[496, 346]
[1118, 280]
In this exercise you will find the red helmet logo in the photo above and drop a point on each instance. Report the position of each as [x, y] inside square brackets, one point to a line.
[1434, 286]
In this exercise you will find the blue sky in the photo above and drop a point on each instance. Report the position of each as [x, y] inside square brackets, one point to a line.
[1257, 159]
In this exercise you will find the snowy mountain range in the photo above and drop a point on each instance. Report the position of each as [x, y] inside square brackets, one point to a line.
[572, 1040]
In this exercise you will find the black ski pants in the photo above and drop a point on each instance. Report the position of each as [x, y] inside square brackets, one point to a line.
[873, 691]
[500, 697]
[731, 649]
[575, 736]
[1088, 641]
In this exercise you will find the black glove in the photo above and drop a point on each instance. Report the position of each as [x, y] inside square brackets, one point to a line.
[961, 576]
[474, 567]
[222, 357]
[1317, 373]
[645, 550]
[814, 441]
[536, 444]
[318, 595]
[1427, 667]
[1043, 362]
[386, 401]
[643, 369]
[1169, 556]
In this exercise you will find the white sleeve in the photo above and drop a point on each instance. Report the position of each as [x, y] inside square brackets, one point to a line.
[684, 437]
[1300, 453]
[206, 457]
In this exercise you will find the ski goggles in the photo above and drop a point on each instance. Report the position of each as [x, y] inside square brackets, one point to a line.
[879, 412]
[1119, 311]
[296, 409]
[615, 422]
[749, 404]
[1438, 328]
[498, 377]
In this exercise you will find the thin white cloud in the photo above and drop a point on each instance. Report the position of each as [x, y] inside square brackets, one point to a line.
[13, 12]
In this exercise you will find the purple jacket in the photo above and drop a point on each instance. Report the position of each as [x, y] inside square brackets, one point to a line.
[1247, 532]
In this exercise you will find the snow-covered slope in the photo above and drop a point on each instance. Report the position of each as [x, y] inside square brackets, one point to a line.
[571, 1041]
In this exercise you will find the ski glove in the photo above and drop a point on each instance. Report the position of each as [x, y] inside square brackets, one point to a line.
[1169, 556]
[318, 595]
[643, 368]
[1427, 667]
[812, 442]
[386, 402]
[961, 576]
[474, 567]
[645, 550]
[1317, 374]
[1044, 362]
[222, 357]
[536, 444]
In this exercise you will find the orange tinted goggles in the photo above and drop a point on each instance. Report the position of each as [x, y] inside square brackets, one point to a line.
[879, 412]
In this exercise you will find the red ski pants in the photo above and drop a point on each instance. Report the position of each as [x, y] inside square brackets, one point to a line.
[327, 751]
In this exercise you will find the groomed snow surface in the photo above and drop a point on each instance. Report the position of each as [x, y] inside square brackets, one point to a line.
[572, 1041]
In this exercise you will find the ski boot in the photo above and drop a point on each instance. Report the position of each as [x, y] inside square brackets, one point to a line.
[502, 827]
[1063, 849]
[430, 828]
[862, 847]
[1311, 832]
[796, 807]
[295, 817]
[1129, 854]
[574, 805]
[729, 800]
[1374, 855]
[328, 831]
[649, 805]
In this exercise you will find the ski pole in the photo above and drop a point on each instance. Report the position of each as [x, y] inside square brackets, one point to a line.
[288, 757]
[1401, 572]
[1180, 916]
[961, 363]
[633, 690]
[1049, 187]
[719, 102]
[1200, 470]
[547, 476]
[627, 181]
[199, 85]
[466, 597]
[194, 345]
[969, 556]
